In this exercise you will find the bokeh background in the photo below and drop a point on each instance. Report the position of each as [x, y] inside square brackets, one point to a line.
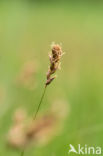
[27, 29]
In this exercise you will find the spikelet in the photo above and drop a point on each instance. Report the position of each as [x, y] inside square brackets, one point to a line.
[42, 131]
[16, 136]
[54, 62]
[25, 133]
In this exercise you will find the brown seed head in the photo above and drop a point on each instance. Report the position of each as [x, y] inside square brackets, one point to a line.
[54, 62]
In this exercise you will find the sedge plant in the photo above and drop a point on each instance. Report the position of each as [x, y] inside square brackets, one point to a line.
[54, 57]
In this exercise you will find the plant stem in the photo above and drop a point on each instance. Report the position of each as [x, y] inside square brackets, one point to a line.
[34, 117]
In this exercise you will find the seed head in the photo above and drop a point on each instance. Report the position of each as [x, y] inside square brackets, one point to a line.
[54, 62]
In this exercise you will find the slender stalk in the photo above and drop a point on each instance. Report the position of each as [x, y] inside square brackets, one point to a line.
[35, 115]
[54, 65]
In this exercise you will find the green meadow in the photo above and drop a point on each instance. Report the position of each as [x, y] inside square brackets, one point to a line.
[27, 30]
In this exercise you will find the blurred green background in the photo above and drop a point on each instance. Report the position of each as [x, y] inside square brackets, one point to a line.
[27, 29]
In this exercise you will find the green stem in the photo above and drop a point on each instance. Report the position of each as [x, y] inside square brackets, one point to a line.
[34, 117]
[40, 103]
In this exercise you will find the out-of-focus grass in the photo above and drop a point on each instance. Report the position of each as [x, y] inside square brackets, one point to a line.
[26, 32]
